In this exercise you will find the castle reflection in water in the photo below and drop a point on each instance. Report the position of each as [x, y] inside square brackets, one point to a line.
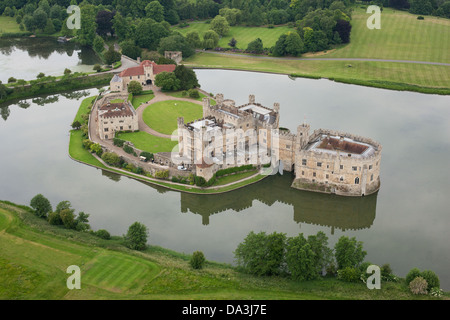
[335, 212]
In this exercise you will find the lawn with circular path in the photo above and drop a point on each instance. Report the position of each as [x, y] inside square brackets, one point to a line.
[162, 116]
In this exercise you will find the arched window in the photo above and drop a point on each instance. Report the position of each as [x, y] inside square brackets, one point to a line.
[356, 180]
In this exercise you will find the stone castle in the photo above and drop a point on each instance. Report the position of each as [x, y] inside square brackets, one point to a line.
[322, 161]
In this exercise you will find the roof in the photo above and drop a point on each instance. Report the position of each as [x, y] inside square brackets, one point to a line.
[115, 110]
[139, 70]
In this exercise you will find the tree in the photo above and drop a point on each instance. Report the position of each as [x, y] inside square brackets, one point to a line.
[120, 27]
[49, 27]
[256, 46]
[67, 71]
[112, 55]
[294, 44]
[54, 219]
[197, 260]
[193, 39]
[97, 67]
[300, 259]
[155, 11]
[176, 43]
[279, 49]
[88, 26]
[81, 222]
[210, 39]
[102, 233]
[76, 125]
[40, 19]
[167, 81]
[99, 44]
[322, 254]
[104, 21]
[40, 75]
[29, 24]
[220, 25]
[68, 218]
[343, 28]
[232, 43]
[129, 49]
[188, 78]
[136, 237]
[134, 87]
[41, 205]
[261, 254]
[149, 33]
[349, 252]
[111, 159]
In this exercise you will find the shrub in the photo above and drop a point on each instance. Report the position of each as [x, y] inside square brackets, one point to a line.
[87, 144]
[97, 148]
[112, 159]
[163, 174]
[349, 274]
[12, 79]
[97, 67]
[147, 155]
[54, 218]
[193, 93]
[436, 292]
[431, 278]
[197, 260]
[136, 237]
[412, 274]
[386, 270]
[118, 142]
[418, 286]
[102, 233]
[128, 149]
[199, 181]
[420, 18]
[184, 93]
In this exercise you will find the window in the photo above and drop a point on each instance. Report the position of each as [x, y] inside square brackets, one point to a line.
[370, 167]
[106, 136]
[327, 176]
[354, 168]
[129, 127]
[106, 129]
[356, 180]
[371, 177]
[106, 122]
[341, 179]
[121, 128]
[341, 166]
[288, 146]
[303, 173]
[314, 174]
[319, 164]
[304, 162]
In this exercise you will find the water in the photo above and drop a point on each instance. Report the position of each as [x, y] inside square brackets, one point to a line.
[405, 224]
[25, 58]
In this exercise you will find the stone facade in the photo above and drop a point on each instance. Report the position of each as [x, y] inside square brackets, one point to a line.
[324, 161]
[144, 74]
[114, 117]
[176, 56]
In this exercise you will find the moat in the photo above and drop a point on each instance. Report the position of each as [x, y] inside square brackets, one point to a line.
[404, 224]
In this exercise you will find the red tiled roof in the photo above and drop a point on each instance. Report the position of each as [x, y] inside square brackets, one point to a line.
[139, 70]
[115, 110]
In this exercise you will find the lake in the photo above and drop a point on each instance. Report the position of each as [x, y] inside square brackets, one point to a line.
[25, 58]
[404, 224]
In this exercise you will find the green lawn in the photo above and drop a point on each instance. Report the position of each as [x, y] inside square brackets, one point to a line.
[243, 35]
[234, 177]
[147, 142]
[77, 151]
[143, 98]
[35, 256]
[179, 94]
[83, 109]
[8, 25]
[401, 37]
[162, 116]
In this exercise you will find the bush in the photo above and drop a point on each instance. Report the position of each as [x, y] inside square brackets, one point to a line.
[118, 142]
[128, 149]
[418, 286]
[199, 181]
[136, 237]
[197, 260]
[147, 155]
[97, 67]
[112, 159]
[193, 93]
[163, 174]
[54, 219]
[102, 233]
[12, 79]
[412, 274]
[420, 18]
[431, 278]
[349, 274]
[87, 144]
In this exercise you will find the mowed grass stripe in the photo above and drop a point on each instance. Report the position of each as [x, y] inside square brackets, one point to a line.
[401, 37]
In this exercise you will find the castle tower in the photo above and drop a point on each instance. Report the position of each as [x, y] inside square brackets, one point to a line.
[180, 121]
[276, 107]
[219, 99]
[251, 99]
[206, 106]
[302, 136]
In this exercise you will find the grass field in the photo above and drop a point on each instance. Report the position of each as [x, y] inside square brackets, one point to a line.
[162, 116]
[147, 142]
[243, 35]
[8, 25]
[401, 37]
[143, 98]
[35, 256]
[178, 94]
[234, 177]
[77, 151]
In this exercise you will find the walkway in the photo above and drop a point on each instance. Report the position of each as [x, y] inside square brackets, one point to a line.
[325, 59]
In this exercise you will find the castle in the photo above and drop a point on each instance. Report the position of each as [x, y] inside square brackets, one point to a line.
[323, 161]
[145, 74]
